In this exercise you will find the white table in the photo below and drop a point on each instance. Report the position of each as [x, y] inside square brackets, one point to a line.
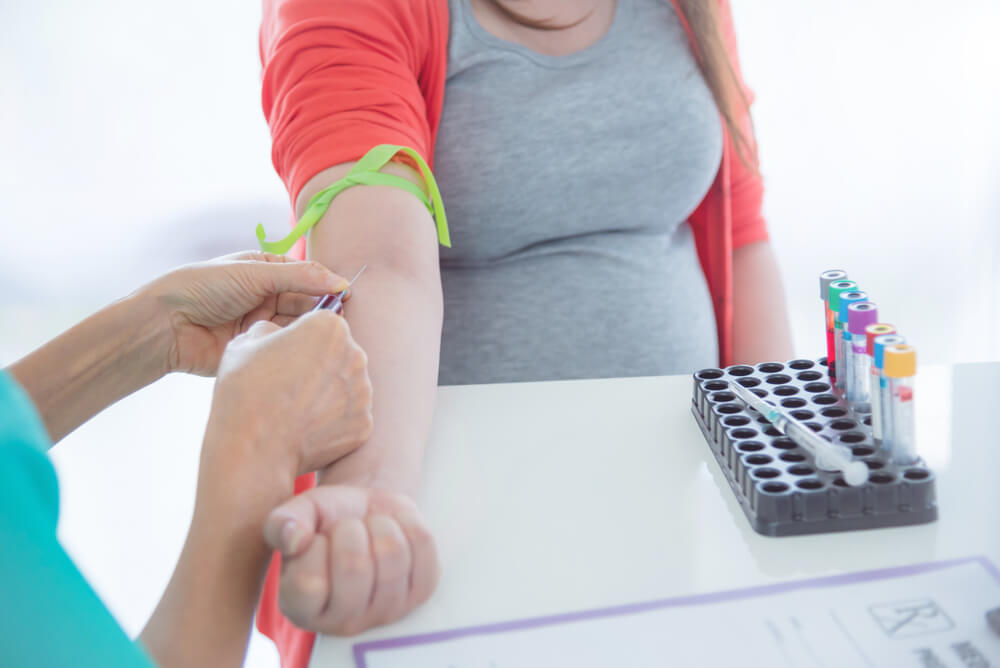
[544, 498]
[553, 497]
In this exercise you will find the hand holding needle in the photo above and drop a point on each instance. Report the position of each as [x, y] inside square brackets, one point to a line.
[335, 301]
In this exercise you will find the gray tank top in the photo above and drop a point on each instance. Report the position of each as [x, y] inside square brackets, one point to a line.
[568, 182]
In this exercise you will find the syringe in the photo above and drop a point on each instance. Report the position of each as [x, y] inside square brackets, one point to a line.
[827, 455]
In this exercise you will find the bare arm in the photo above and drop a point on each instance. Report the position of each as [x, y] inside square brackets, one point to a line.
[110, 355]
[760, 313]
[395, 314]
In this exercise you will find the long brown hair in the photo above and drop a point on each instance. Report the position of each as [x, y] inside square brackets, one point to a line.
[713, 60]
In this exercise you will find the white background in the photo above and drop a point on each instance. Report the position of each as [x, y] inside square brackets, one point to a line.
[131, 140]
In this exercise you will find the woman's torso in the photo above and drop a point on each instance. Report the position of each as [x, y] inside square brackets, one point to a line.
[568, 181]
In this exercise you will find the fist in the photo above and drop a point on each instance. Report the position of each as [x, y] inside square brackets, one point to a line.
[301, 392]
[352, 558]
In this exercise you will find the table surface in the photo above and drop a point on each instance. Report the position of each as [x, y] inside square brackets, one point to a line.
[544, 498]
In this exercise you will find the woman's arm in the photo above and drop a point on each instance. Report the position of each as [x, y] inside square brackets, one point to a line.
[395, 315]
[761, 332]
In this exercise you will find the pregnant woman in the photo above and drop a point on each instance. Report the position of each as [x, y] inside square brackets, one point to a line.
[599, 170]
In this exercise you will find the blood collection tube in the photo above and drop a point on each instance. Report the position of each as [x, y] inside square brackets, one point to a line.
[900, 365]
[859, 316]
[845, 360]
[825, 279]
[871, 333]
[833, 361]
[878, 360]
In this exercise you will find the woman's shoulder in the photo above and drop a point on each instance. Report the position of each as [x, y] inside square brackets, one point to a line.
[416, 28]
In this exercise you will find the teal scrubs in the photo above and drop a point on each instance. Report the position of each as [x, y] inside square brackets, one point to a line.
[49, 615]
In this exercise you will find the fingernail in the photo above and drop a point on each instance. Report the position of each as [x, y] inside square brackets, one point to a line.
[340, 285]
[291, 537]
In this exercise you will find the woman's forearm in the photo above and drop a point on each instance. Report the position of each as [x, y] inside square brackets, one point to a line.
[395, 314]
[761, 332]
[99, 361]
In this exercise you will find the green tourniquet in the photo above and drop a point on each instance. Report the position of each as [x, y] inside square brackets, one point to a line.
[49, 615]
[366, 172]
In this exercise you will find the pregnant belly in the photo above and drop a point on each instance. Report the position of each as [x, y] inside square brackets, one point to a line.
[604, 306]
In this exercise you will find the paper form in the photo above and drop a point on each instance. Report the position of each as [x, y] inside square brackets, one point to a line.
[924, 616]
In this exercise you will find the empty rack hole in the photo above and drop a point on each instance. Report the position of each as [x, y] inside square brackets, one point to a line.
[748, 381]
[729, 409]
[840, 482]
[843, 425]
[822, 361]
[773, 432]
[783, 443]
[723, 397]
[852, 437]
[743, 433]
[799, 365]
[815, 426]
[778, 379]
[770, 367]
[766, 473]
[881, 478]
[794, 402]
[868, 420]
[741, 370]
[802, 414]
[736, 421]
[917, 474]
[801, 470]
[833, 412]
[716, 385]
[759, 392]
[806, 376]
[824, 399]
[792, 457]
[757, 460]
[817, 387]
[750, 446]
[763, 420]
[874, 464]
[862, 451]
[786, 390]
[809, 483]
[774, 487]
[709, 374]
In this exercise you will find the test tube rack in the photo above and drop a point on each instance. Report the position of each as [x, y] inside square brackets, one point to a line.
[777, 483]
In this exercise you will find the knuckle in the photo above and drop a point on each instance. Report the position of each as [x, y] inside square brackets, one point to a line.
[366, 427]
[353, 563]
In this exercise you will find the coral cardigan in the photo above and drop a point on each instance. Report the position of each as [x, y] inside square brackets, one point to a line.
[340, 76]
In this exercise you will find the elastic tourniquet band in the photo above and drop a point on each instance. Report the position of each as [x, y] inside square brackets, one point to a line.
[366, 172]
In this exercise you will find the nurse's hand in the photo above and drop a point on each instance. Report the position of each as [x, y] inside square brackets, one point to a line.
[208, 303]
[352, 558]
[290, 400]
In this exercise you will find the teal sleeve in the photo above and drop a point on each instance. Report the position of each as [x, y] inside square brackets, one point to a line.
[49, 615]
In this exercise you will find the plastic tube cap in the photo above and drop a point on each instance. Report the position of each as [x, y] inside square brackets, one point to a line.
[880, 344]
[859, 316]
[900, 361]
[836, 288]
[828, 277]
[876, 330]
[848, 298]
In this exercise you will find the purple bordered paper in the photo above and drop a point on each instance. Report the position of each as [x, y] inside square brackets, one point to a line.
[361, 649]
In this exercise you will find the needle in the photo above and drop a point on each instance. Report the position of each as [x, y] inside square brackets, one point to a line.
[335, 301]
